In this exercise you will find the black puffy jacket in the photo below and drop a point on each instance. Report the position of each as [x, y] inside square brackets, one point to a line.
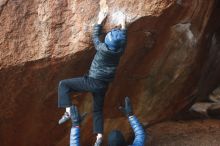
[105, 61]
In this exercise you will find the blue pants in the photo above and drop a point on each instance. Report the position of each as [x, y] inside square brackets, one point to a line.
[85, 84]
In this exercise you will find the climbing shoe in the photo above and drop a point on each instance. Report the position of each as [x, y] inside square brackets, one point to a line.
[98, 142]
[64, 118]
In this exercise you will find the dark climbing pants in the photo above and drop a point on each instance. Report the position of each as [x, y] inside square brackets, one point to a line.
[85, 84]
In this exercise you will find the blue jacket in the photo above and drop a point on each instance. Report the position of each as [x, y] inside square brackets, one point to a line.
[139, 132]
[75, 136]
[105, 61]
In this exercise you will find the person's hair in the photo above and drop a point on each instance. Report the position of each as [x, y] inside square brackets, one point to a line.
[116, 138]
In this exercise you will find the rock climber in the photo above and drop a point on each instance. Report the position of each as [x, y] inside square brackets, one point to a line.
[101, 73]
[115, 138]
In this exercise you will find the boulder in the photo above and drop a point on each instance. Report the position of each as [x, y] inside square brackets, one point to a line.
[215, 95]
[45, 41]
[184, 133]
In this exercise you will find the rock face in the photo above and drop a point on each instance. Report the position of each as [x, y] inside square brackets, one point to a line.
[44, 41]
[191, 133]
[215, 95]
[210, 78]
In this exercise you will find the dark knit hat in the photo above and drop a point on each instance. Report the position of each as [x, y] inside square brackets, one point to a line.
[115, 39]
[115, 138]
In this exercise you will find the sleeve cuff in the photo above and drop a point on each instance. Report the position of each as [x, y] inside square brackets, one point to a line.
[98, 25]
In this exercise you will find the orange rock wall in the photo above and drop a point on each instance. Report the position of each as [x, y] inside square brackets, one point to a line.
[193, 133]
[44, 41]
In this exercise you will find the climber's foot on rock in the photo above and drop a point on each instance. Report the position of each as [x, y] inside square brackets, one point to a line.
[64, 118]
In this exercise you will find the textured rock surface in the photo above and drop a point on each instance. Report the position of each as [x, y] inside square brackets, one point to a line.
[210, 78]
[191, 133]
[215, 95]
[44, 41]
